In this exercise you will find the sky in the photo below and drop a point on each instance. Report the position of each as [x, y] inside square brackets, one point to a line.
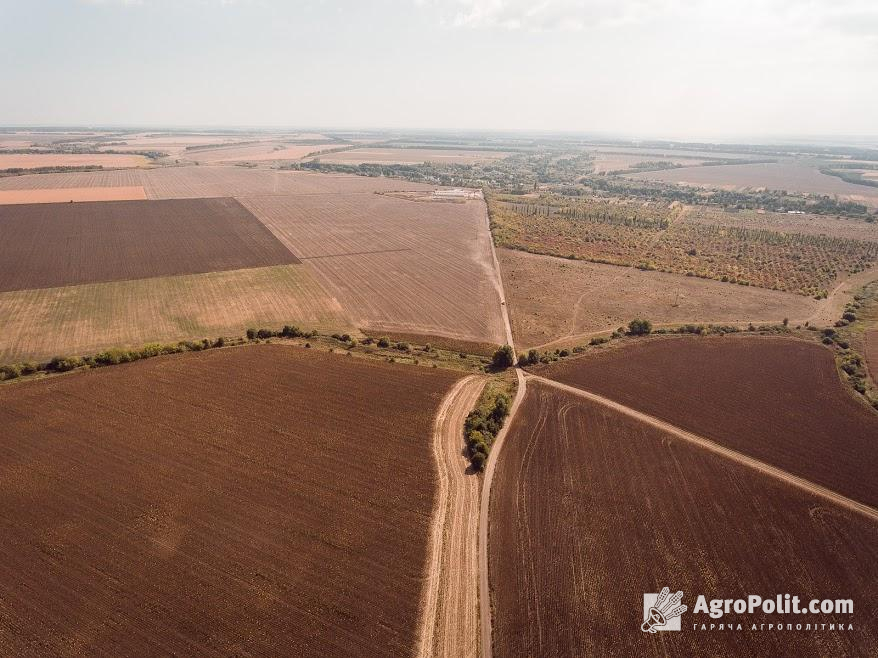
[675, 69]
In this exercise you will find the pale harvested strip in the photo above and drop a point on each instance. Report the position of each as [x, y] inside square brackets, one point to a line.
[38, 324]
[69, 194]
[35, 160]
[111, 178]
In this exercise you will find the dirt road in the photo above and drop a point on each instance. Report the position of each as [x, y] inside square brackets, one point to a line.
[450, 610]
[833, 305]
[734, 455]
[484, 587]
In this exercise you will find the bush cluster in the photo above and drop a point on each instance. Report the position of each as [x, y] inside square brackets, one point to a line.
[289, 331]
[482, 426]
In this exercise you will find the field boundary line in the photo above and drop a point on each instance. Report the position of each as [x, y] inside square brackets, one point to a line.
[446, 610]
[712, 446]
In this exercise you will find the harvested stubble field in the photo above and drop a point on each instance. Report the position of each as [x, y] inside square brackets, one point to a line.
[50, 245]
[70, 194]
[591, 508]
[553, 298]
[395, 265]
[790, 176]
[213, 181]
[657, 237]
[777, 400]
[263, 500]
[411, 156]
[85, 319]
[263, 152]
[35, 160]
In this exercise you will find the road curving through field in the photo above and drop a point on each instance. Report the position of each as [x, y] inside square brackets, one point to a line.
[734, 455]
[450, 607]
[484, 507]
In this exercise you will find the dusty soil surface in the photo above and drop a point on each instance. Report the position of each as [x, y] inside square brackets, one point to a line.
[450, 613]
[34, 160]
[553, 298]
[795, 177]
[593, 508]
[411, 156]
[395, 265]
[777, 400]
[66, 195]
[39, 324]
[263, 500]
[263, 152]
[49, 245]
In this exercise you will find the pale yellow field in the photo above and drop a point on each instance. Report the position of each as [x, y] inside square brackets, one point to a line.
[34, 160]
[69, 194]
[265, 152]
[38, 324]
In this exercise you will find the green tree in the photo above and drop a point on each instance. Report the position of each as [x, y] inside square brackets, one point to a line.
[503, 358]
[639, 327]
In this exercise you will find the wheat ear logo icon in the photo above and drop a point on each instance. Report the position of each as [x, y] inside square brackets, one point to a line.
[664, 609]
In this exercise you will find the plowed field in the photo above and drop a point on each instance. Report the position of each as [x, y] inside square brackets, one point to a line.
[261, 500]
[49, 245]
[777, 400]
[591, 509]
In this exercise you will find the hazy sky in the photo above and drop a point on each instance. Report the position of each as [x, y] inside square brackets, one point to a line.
[660, 68]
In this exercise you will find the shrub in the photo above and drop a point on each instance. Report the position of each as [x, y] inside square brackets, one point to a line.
[478, 460]
[503, 358]
[10, 372]
[850, 317]
[251, 334]
[403, 347]
[383, 342]
[64, 364]
[598, 340]
[639, 327]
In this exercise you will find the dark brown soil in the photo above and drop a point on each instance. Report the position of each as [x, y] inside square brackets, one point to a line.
[46, 245]
[777, 400]
[591, 509]
[262, 500]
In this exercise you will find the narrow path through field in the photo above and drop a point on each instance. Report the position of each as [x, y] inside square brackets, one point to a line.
[734, 455]
[834, 304]
[450, 612]
[484, 508]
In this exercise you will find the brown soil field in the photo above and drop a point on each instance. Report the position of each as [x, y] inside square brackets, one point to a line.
[262, 500]
[411, 156]
[777, 400]
[555, 298]
[49, 245]
[592, 508]
[85, 319]
[871, 342]
[34, 160]
[395, 265]
[66, 195]
[790, 176]
[440, 342]
[264, 152]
